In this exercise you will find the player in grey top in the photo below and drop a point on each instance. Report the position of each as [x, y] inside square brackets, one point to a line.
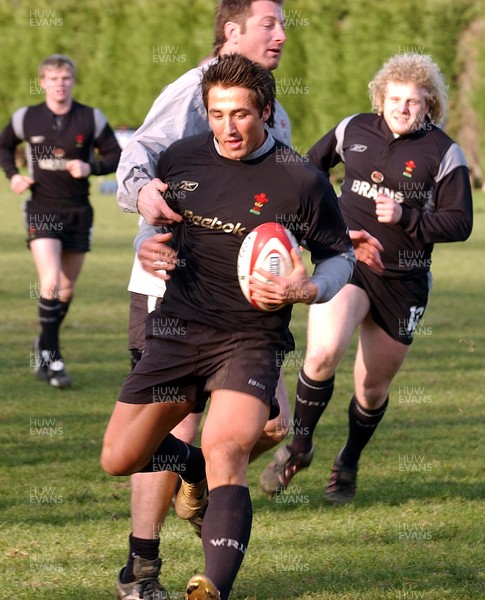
[177, 113]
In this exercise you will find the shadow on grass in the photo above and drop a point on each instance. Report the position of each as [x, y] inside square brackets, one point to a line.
[334, 578]
[349, 581]
[387, 491]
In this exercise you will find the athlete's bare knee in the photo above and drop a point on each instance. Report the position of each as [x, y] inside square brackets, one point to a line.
[321, 365]
[65, 297]
[119, 461]
[373, 397]
[66, 294]
[221, 451]
[111, 465]
[226, 462]
[49, 290]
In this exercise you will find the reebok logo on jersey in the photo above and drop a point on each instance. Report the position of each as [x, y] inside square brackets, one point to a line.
[214, 223]
[364, 188]
[188, 186]
[357, 148]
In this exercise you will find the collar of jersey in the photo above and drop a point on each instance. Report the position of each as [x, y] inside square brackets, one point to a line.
[263, 149]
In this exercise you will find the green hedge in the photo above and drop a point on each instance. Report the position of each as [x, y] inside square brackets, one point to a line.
[128, 50]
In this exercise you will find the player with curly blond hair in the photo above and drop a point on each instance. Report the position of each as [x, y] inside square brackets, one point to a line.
[423, 72]
[407, 184]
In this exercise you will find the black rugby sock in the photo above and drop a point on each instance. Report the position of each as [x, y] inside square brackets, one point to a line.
[312, 398]
[178, 457]
[362, 424]
[139, 548]
[63, 310]
[49, 311]
[225, 534]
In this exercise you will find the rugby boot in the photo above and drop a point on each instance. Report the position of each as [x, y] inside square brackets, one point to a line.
[146, 585]
[201, 587]
[278, 474]
[191, 499]
[342, 485]
[57, 375]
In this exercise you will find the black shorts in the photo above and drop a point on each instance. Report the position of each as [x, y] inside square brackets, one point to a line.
[70, 224]
[136, 320]
[182, 359]
[397, 305]
[136, 334]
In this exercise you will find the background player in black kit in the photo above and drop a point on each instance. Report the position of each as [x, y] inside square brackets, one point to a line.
[407, 184]
[206, 336]
[61, 135]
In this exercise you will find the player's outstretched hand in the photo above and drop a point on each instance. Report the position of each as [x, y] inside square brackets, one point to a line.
[297, 287]
[20, 183]
[157, 257]
[367, 249]
[152, 205]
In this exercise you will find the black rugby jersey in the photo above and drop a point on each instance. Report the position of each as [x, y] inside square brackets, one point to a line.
[52, 141]
[425, 171]
[221, 201]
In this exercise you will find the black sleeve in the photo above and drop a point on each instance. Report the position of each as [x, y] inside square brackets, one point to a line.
[110, 151]
[327, 233]
[452, 216]
[162, 165]
[8, 142]
[323, 154]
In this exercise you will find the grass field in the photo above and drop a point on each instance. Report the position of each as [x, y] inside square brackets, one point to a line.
[416, 529]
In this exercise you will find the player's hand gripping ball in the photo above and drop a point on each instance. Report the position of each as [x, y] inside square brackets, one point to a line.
[266, 247]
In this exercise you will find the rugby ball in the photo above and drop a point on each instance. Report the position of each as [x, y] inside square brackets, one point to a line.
[266, 247]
